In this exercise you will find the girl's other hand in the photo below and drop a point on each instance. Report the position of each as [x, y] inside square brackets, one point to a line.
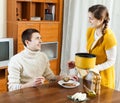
[71, 64]
[75, 78]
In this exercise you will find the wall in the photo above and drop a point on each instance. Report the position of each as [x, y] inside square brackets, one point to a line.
[2, 18]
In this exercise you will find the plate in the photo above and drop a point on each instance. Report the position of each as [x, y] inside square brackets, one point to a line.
[69, 84]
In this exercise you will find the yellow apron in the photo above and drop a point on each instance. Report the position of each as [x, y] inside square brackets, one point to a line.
[105, 43]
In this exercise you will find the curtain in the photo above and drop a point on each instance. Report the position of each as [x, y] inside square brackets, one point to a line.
[115, 24]
[75, 24]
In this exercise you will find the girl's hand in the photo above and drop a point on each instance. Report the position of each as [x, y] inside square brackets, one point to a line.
[71, 64]
[76, 78]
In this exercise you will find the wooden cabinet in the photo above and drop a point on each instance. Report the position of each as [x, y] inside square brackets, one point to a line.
[3, 79]
[49, 31]
[54, 66]
[43, 15]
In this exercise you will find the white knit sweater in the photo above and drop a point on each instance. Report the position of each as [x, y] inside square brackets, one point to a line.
[27, 65]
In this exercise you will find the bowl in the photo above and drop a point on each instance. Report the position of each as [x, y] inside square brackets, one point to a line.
[85, 60]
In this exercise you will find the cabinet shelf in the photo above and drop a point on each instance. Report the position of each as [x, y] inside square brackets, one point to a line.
[2, 73]
[50, 49]
[47, 1]
[36, 9]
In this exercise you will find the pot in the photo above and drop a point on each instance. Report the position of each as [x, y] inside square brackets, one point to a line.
[85, 60]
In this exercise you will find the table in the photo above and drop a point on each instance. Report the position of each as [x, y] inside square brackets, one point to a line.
[54, 93]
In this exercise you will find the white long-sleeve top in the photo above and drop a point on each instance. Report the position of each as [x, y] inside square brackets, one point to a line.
[27, 65]
[111, 55]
